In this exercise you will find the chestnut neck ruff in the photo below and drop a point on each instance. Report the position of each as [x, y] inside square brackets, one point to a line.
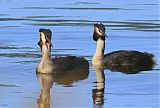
[48, 44]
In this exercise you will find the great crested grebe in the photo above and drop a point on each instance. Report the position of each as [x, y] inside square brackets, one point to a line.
[139, 61]
[61, 64]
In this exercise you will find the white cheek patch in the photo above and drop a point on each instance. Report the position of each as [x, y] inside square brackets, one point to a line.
[97, 31]
[42, 36]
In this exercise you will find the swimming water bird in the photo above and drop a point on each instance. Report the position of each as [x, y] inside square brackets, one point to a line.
[119, 60]
[61, 64]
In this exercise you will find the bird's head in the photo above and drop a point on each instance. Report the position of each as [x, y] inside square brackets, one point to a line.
[99, 32]
[45, 38]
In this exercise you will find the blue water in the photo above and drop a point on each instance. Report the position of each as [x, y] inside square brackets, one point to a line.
[131, 25]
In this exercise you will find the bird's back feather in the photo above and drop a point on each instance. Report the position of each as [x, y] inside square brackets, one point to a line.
[124, 58]
[70, 63]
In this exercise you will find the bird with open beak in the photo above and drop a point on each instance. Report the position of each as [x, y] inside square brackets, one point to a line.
[45, 39]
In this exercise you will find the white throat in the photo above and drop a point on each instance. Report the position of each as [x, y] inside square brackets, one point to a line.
[98, 58]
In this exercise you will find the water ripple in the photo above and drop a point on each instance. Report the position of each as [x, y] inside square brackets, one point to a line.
[132, 93]
[83, 3]
[20, 55]
[7, 85]
[77, 8]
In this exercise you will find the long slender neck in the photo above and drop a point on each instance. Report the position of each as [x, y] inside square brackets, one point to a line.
[100, 47]
[46, 64]
[99, 53]
[46, 53]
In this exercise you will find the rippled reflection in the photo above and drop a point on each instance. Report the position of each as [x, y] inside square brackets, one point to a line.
[68, 77]
[65, 78]
[131, 25]
[130, 69]
[46, 82]
[98, 91]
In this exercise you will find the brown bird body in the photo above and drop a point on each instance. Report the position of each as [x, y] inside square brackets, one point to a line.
[122, 60]
[61, 64]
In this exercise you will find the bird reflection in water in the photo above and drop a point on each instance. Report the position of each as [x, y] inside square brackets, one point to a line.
[46, 82]
[129, 69]
[62, 78]
[98, 92]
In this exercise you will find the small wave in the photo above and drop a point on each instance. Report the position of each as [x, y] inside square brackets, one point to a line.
[8, 85]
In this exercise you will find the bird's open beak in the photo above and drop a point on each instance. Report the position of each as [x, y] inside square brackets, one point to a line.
[42, 40]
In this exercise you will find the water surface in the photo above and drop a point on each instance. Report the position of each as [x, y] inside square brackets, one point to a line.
[131, 25]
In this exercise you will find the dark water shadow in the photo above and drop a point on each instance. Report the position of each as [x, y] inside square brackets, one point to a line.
[7, 85]
[12, 19]
[45, 16]
[70, 8]
[20, 55]
[99, 89]
[8, 47]
[68, 77]
[132, 69]
[144, 4]
[83, 3]
[9, 26]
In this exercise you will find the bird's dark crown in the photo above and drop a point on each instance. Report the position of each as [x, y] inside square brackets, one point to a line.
[99, 32]
[100, 26]
[47, 33]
